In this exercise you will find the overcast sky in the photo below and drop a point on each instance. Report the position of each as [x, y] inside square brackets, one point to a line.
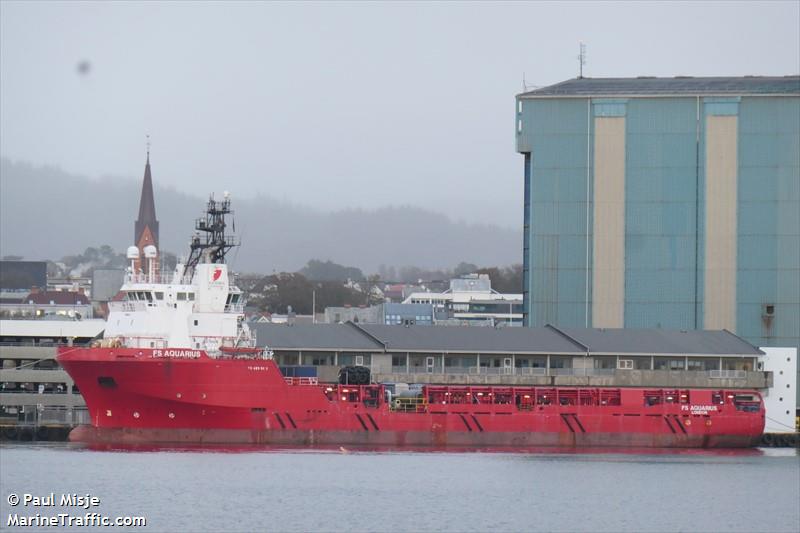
[339, 105]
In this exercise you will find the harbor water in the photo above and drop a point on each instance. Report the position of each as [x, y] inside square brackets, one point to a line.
[257, 489]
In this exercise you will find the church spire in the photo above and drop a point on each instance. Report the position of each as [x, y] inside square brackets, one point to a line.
[146, 226]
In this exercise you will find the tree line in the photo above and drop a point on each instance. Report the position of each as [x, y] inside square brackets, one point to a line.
[327, 284]
[319, 283]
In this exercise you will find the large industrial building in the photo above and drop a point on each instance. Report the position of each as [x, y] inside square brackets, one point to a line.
[663, 203]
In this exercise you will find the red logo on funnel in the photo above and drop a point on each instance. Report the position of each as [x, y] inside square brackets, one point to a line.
[217, 273]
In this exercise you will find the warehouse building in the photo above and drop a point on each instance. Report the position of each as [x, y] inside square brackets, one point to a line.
[663, 203]
[546, 356]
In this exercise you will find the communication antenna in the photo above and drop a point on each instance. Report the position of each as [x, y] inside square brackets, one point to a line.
[581, 59]
[526, 87]
[148, 145]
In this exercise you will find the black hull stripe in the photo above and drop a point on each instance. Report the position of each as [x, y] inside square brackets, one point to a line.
[680, 425]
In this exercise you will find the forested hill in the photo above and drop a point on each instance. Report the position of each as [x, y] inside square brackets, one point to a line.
[46, 213]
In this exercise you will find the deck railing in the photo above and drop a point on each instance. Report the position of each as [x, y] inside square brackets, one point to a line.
[541, 371]
[161, 278]
[31, 416]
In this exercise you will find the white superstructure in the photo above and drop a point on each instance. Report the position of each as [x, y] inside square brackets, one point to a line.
[195, 307]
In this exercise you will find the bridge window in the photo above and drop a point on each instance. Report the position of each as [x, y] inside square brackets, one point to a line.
[181, 297]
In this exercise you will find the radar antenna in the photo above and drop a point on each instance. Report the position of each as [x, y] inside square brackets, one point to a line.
[209, 243]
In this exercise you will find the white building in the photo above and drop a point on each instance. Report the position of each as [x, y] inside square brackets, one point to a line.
[471, 299]
[779, 399]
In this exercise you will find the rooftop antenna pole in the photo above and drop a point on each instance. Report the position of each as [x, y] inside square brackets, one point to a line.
[581, 59]
[148, 146]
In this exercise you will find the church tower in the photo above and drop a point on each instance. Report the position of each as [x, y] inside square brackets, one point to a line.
[146, 226]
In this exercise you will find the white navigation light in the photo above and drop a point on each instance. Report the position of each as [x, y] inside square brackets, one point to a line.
[150, 251]
[133, 252]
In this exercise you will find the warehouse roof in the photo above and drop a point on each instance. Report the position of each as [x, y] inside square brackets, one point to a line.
[681, 85]
[336, 337]
[473, 339]
[662, 341]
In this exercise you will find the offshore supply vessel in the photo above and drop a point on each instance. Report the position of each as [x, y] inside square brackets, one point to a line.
[178, 364]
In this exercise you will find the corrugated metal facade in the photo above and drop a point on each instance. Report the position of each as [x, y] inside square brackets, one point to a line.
[660, 213]
[556, 215]
[711, 209]
[769, 221]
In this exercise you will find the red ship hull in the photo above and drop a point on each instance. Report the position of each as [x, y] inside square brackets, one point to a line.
[185, 397]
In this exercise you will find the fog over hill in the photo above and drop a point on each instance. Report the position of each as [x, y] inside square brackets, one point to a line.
[46, 213]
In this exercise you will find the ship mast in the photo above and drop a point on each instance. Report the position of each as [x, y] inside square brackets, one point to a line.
[209, 243]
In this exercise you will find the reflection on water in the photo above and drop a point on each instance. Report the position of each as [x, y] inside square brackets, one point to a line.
[255, 488]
